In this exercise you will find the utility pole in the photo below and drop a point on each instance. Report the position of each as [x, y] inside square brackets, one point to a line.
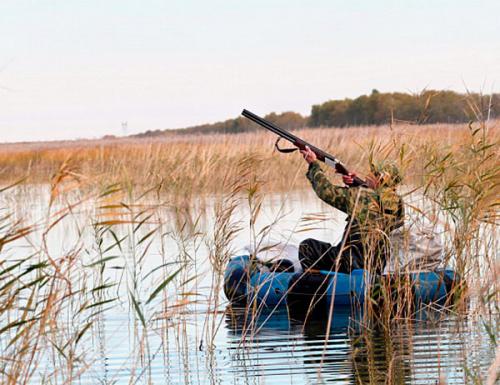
[124, 128]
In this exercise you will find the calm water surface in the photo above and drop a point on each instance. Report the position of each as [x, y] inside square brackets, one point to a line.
[276, 350]
[186, 346]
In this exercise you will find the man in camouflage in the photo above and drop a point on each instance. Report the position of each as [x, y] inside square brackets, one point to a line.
[373, 212]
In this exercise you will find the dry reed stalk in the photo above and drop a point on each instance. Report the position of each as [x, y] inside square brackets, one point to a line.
[191, 165]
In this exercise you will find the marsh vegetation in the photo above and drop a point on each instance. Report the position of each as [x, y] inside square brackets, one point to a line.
[120, 246]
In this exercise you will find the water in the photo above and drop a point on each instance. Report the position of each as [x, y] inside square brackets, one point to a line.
[190, 342]
[287, 352]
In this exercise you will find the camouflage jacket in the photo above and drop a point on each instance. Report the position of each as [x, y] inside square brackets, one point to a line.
[373, 214]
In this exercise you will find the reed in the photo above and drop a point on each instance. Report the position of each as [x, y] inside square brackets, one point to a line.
[118, 202]
[193, 165]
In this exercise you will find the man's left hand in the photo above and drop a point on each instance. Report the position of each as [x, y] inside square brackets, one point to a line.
[309, 155]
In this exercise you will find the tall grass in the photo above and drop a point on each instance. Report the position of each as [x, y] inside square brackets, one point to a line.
[53, 301]
[199, 164]
[137, 198]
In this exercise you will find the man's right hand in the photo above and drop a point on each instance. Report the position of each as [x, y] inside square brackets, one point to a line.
[349, 178]
[309, 155]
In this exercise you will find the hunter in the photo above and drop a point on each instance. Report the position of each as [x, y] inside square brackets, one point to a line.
[373, 212]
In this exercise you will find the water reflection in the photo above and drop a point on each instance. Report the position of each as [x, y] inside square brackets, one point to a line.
[267, 349]
[280, 350]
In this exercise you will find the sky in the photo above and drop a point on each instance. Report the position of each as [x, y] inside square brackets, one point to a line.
[78, 69]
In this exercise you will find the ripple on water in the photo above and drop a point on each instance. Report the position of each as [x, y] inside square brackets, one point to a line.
[287, 352]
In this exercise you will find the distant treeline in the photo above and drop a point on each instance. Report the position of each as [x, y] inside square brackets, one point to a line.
[374, 109]
[382, 108]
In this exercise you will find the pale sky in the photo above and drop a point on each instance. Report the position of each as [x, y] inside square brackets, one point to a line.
[74, 69]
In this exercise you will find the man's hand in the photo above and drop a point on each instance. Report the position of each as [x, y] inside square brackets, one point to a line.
[308, 155]
[349, 178]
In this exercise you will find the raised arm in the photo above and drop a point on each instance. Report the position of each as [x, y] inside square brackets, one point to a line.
[335, 196]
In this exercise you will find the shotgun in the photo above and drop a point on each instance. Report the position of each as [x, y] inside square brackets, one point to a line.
[301, 145]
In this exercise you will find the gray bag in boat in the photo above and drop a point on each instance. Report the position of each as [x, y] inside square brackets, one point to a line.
[415, 247]
[276, 256]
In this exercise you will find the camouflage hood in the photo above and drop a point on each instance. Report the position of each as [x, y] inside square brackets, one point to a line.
[388, 172]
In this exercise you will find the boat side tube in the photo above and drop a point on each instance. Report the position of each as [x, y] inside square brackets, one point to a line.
[245, 283]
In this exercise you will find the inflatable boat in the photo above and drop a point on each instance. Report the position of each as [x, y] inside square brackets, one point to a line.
[246, 282]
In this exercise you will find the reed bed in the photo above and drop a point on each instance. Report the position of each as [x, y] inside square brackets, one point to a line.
[199, 164]
[137, 197]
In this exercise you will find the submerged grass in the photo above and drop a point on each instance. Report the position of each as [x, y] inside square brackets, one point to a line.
[137, 198]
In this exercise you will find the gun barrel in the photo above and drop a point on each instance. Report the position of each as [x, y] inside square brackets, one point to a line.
[296, 141]
[270, 126]
[287, 135]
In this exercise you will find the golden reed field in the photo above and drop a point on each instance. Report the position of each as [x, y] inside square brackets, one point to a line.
[198, 164]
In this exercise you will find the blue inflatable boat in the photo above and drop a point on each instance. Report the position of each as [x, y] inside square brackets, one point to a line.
[245, 282]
